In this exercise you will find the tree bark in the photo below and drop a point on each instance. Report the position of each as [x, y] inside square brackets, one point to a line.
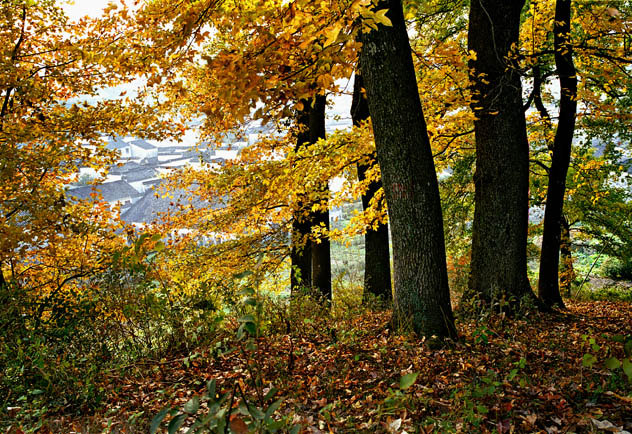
[311, 261]
[548, 288]
[321, 254]
[501, 179]
[567, 274]
[3, 282]
[377, 265]
[301, 253]
[422, 297]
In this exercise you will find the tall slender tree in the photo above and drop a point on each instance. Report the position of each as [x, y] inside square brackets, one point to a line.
[499, 238]
[421, 297]
[311, 261]
[548, 287]
[377, 265]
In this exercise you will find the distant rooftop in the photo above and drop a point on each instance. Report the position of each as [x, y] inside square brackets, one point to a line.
[111, 191]
[153, 205]
[127, 167]
[116, 144]
[140, 174]
[143, 144]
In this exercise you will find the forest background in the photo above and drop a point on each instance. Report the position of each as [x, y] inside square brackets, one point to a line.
[428, 321]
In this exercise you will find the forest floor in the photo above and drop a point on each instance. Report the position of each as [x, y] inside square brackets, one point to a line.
[537, 373]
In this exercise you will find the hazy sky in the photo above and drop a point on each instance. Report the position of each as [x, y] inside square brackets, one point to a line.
[78, 8]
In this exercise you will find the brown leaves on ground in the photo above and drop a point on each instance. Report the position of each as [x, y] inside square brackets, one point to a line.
[522, 375]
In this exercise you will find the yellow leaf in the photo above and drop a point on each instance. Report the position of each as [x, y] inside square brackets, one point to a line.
[332, 34]
[380, 17]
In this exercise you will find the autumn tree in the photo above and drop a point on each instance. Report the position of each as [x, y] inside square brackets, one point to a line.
[311, 263]
[51, 68]
[377, 264]
[589, 100]
[548, 288]
[421, 294]
[499, 239]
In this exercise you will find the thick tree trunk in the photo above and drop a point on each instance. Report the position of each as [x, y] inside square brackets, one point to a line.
[422, 297]
[501, 179]
[377, 265]
[311, 262]
[567, 271]
[548, 288]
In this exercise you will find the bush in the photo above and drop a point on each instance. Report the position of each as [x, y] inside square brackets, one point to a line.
[51, 360]
[609, 293]
[55, 348]
[618, 268]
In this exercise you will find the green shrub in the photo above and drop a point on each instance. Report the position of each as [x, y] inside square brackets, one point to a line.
[618, 268]
[609, 293]
[54, 348]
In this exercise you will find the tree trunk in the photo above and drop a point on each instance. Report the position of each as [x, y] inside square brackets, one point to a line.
[321, 255]
[3, 282]
[567, 274]
[301, 252]
[377, 265]
[311, 264]
[548, 288]
[501, 179]
[422, 297]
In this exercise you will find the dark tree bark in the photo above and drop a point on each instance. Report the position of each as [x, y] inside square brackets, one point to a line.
[311, 260]
[501, 179]
[422, 297]
[567, 274]
[548, 288]
[321, 255]
[301, 252]
[377, 265]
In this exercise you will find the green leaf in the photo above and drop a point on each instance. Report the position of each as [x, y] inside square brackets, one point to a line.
[247, 318]
[210, 388]
[155, 422]
[176, 423]
[627, 348]
[247, 291]
[612, 363]
[273, 407]
[273, 391]
[192, 405]
[408, 380]
[512, 374]
[250, 328]
[250, 301]
[627, 368]
[588, 360]
[295, 429]
[255, 412]
[482, 409]
[242, 275]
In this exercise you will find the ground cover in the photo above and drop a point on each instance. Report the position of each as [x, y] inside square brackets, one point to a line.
[535, 373]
